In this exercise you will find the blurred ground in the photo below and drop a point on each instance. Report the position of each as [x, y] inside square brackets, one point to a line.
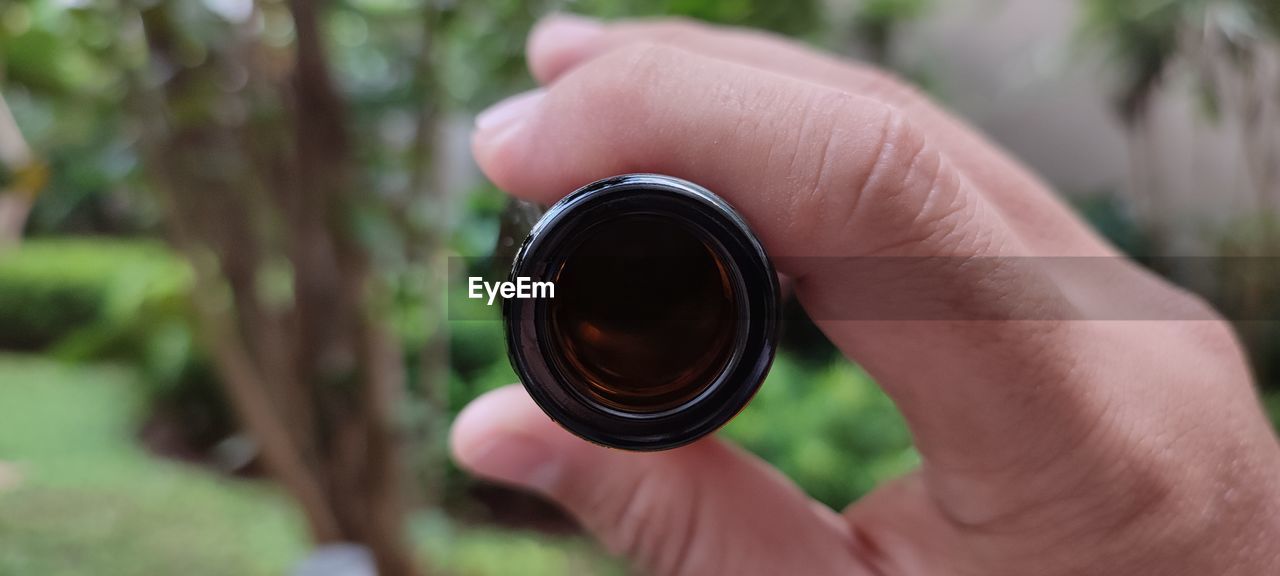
[77, 491]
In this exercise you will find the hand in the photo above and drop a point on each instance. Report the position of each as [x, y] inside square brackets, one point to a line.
[1050, 446]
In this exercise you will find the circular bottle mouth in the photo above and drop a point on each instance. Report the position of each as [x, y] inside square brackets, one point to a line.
[645, 317]
[664, 316]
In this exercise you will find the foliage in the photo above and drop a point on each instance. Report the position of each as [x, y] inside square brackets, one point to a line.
[482, 56]
[90, 299]
[800, 18]
[1272, 403]
[1144, 37]
[1110, 217]
[66, 67]
[830, 429]
[63, 74]
[50, 290]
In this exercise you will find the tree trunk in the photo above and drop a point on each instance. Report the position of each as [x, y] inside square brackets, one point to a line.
[313, 377]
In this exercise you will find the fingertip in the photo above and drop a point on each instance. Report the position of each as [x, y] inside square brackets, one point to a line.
[502, 436]
[500, 130]
[492, 156]
[494, 412]
[557, 42]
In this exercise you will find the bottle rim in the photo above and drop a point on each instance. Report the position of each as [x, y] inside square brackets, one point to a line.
[756, 291]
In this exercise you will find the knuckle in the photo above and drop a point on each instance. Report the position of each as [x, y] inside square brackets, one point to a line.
[874, 168]
[906, 189]
[900, 161]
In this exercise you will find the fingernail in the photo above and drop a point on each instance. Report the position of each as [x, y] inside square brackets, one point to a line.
[508, 113]
[514, 458]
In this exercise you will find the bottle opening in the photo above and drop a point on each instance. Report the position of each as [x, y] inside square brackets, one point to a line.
[664, 317]
[645, 316]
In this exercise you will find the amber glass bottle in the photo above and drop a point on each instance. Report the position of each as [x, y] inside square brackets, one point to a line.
[664, 317]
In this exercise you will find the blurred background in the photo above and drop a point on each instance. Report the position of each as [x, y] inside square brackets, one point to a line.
[224, 226]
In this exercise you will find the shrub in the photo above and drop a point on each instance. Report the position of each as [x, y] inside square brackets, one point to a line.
[52, 289]
[126, 300]
[830, 429]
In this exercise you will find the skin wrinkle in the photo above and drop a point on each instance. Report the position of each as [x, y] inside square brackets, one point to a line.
[865, 566]
[681, 562]
[745, 115]
[902, 149]
[937, 207]
[887, 88]
[936, 180]
[1104, 417]
[599, 507]
[630, 523]
[815, 120]
[794, 194]
[789, 212]
[886, 132]
[868, 550]
[647, 519]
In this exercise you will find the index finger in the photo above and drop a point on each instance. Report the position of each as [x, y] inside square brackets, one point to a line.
[562, 42]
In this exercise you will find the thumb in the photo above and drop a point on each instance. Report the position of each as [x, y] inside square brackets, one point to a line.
[707, 508]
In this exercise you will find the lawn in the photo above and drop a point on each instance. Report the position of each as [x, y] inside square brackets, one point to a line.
[78, 495]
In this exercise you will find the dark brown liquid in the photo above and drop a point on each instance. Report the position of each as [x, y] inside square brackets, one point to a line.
[643, 317]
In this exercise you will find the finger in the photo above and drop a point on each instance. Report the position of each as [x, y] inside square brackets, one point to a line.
[561, 42]
[814, 168]
[897, 529]
[820, 172]
[703, 509]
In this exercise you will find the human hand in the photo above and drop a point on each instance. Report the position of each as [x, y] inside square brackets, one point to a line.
[1054, 441]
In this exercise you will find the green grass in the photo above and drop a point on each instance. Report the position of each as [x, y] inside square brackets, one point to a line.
[91, 501]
